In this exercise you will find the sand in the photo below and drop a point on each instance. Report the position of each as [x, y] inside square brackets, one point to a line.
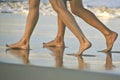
[12, 29]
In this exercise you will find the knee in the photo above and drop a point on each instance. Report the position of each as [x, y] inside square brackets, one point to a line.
[77, 10]
[58, 7]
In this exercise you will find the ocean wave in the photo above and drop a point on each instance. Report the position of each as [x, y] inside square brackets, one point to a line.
[46, 9]
[105, 12]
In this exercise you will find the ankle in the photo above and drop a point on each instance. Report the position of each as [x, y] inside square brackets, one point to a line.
[59, 40]
[25, 42]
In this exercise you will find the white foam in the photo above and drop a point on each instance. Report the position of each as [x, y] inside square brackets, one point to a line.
[46, 9]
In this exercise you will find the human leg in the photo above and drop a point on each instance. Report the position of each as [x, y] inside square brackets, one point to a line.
[59, 39]
[32, 19]
[70, 22]
[78, 9]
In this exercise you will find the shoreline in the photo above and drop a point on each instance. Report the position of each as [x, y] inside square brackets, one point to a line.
[12, 28]
[46, 9]
[37, 73]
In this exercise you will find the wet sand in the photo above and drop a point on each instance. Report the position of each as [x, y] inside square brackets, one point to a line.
[12, 29]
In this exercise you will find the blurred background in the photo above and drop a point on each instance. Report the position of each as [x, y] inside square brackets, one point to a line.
[107, 3]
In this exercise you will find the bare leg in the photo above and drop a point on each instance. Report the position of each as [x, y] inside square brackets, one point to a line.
[59, 40]
[78, 9]
[70, 22]
[30, 25]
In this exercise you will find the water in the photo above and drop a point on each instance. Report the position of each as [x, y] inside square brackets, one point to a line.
[46, 30]
[101, 8]
[108, 8]
[107, 3]
[12, 29]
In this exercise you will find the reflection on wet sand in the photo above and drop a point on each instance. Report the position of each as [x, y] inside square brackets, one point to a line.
[58, 53]
[84, 65]
[81, 63]
[22, 54]
[109, 65]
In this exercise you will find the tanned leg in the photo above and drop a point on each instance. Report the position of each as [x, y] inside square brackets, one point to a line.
[32, 19]
[70, 22]
[78, 9]
[59, 40]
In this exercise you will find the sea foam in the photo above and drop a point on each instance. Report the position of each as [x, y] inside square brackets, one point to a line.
[46, 9]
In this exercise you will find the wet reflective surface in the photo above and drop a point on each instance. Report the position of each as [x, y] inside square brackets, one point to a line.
[12, 28]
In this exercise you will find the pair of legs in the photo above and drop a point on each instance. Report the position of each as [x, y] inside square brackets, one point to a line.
[62, 11]
[78, 9]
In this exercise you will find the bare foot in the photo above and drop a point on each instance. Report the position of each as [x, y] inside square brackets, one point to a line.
[110, 39]
[54, 43]
[84, 46]
[18, 46]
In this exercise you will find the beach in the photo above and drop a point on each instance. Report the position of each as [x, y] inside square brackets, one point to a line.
[12, 28]
[102, 10]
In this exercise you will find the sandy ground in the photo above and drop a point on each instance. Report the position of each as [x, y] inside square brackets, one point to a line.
[12, 29]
